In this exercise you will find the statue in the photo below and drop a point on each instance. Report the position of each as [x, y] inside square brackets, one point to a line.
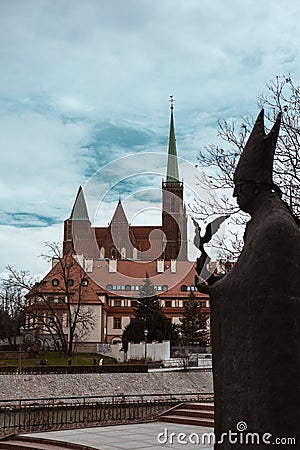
[255, 311]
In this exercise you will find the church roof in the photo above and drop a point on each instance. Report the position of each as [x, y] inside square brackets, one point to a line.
[119, 216]
[79, 211]
[172, 168]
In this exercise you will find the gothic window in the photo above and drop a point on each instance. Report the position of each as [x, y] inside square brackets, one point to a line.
[173, 203]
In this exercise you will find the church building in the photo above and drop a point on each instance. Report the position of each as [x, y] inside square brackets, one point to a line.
[117, 258]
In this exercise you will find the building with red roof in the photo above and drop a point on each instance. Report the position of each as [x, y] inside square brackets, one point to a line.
[113, 261]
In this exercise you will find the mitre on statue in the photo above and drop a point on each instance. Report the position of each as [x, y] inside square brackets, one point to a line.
[256, 161]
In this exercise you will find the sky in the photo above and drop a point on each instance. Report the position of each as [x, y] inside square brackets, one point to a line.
[87, 83]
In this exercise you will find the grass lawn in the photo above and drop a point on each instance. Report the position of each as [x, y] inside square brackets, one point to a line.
[57, 359]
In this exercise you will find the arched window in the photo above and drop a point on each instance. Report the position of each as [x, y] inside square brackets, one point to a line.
[102, 252]
[135, 254]
[113, 253]
[123, 253]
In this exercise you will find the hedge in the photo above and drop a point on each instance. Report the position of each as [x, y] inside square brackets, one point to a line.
[109, 368]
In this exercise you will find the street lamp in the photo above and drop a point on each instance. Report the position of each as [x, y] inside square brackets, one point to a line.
[146, 334]
[20, 348]
[76, 348]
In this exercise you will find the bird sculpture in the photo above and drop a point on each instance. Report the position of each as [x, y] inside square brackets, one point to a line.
[199, 241]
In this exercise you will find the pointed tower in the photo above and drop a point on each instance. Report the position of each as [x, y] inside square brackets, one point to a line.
[78, 236]
[119, 241]
[174, 220]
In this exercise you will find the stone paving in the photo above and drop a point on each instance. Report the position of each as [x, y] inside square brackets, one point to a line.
[148, 436]
[65, 385]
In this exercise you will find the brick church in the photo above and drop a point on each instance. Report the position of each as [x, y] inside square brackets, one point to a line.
[116, 259]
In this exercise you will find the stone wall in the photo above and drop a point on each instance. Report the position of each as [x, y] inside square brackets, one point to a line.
[65, 385]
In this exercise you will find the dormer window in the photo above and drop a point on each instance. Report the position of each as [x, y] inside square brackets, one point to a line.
[55, 282]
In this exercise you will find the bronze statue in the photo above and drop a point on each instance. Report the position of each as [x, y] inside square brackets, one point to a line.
[255, 311]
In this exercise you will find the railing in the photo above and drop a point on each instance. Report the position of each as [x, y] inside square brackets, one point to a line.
[68, 412]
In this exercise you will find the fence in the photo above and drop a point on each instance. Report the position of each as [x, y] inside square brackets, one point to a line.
[69, 412]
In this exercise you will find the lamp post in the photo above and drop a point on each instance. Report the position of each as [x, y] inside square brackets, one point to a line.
[146, 334]
[20, 348]
[76, 348]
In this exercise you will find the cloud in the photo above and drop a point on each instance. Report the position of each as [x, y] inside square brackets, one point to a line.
[85, 83]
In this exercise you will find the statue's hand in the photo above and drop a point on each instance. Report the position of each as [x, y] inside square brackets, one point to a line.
[202, 286]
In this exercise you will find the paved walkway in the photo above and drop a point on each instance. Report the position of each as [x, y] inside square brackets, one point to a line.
[149, 436]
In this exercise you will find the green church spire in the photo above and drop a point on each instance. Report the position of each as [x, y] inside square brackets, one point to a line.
[172, 169]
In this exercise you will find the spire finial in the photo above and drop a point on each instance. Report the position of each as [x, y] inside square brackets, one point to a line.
[172, 101]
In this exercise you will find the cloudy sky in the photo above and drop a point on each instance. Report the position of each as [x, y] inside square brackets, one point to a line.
[85, 83]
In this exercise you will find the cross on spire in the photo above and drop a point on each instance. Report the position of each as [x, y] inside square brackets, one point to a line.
[172, 101]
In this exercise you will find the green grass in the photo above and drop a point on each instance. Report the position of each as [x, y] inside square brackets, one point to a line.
[57, 359]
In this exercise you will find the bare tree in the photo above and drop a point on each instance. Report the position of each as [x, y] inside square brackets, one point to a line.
[219, 163]
[59, 311]
[12, 313]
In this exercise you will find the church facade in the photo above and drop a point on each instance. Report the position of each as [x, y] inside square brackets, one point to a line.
[117, 258]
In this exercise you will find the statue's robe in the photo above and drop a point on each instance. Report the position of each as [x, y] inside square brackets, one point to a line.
[255, 315]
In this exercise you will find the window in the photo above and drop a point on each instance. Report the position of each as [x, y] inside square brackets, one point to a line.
[70, 282]
[185, 304]
[85, 282]
[127, 287]
[113, 254]
[117, 322]
[55, 282]
[134, 303]
[168, 303]
[183, 288]
[117, 302]
[109, 287]
[164, 287]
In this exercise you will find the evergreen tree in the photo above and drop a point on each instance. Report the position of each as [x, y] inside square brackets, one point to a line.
[193, 323]
[148, 315]
[148, 302]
